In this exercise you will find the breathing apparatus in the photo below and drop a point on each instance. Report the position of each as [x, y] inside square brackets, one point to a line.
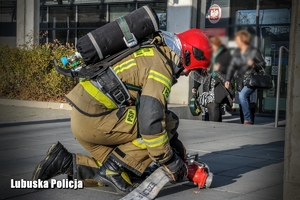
[101, 75]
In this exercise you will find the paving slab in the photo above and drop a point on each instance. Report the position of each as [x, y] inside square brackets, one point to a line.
[19, 166]
[275, 192]
[254, 174]
[185, 192]
[270, 163]
[6, 191]
[247, 160]
[238, 185]
[253, 197]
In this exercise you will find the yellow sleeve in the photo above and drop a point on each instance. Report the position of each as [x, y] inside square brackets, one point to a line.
[151, 116]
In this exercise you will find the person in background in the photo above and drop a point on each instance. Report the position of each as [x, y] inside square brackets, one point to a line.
[215, 93]
[246, 61]
[253, 106]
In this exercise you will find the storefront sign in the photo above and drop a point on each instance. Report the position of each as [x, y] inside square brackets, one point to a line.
[221, 32]
[270, 16]
[214, 13]
[268, 60]
[273, 46]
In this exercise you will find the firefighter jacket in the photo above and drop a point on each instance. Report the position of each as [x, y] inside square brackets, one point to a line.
[148, 69]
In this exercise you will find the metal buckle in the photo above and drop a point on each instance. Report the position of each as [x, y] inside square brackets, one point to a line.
[119, 97]
[132, 42]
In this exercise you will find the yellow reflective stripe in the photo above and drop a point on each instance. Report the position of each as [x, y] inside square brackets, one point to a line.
[98, 95]
[139, 143]
[98, 163]
[144, 52]
[124, 66]
[99, 184]
[160, 78]
[110, 172]
[160, 140]
[126, 178]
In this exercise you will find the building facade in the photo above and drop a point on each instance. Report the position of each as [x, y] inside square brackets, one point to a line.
[269, 23]
[8, 22]
[68, 20]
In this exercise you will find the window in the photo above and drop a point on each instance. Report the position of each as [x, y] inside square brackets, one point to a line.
[62, 17]
[271, 32]
[68, 20]
[161, 10]
[117, 11]
[92, 16]
[8, 18]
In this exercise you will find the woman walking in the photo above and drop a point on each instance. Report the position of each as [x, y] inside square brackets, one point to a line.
[215, 93]
[246, 60]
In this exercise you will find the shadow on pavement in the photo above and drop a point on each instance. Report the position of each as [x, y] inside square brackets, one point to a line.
[174, 190]
[230, 165]
[246, 156]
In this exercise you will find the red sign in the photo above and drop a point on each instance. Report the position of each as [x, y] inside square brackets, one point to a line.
[221, 32]
[214, 13]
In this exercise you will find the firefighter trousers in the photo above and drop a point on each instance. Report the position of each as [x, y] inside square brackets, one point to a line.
[114, 134]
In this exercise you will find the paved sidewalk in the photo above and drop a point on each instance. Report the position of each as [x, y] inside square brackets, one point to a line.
[247, 160]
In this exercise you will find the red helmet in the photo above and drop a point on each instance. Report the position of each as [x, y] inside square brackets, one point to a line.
[196, 49]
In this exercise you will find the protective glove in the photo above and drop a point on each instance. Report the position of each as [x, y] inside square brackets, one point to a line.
[176, 168]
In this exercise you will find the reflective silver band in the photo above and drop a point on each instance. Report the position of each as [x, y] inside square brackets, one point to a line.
[95, 45]
[151, 17]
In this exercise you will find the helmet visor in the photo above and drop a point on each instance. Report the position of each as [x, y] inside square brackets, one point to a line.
[199, 75]
[172, 42]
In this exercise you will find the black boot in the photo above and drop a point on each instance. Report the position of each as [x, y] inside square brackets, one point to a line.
[58, 161]
[111, 173]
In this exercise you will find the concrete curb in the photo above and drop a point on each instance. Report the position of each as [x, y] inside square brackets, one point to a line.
[36, 104]
[180, 110]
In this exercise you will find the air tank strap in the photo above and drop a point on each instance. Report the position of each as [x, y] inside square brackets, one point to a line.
[128, 38]
[138, 90]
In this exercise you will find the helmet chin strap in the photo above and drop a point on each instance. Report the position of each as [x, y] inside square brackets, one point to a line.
[176, 63]
[177, 71]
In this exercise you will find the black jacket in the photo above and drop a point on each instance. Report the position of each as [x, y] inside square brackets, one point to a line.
[224, 59]
[239, 66]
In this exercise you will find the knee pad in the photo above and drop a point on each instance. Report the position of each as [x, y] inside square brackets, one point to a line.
[178, 147]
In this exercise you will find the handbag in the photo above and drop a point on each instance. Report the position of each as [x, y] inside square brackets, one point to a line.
[260, 80]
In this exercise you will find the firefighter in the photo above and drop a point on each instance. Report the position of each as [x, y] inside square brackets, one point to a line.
[127, 139]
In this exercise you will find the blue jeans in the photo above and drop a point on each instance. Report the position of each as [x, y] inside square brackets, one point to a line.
[244, 97]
